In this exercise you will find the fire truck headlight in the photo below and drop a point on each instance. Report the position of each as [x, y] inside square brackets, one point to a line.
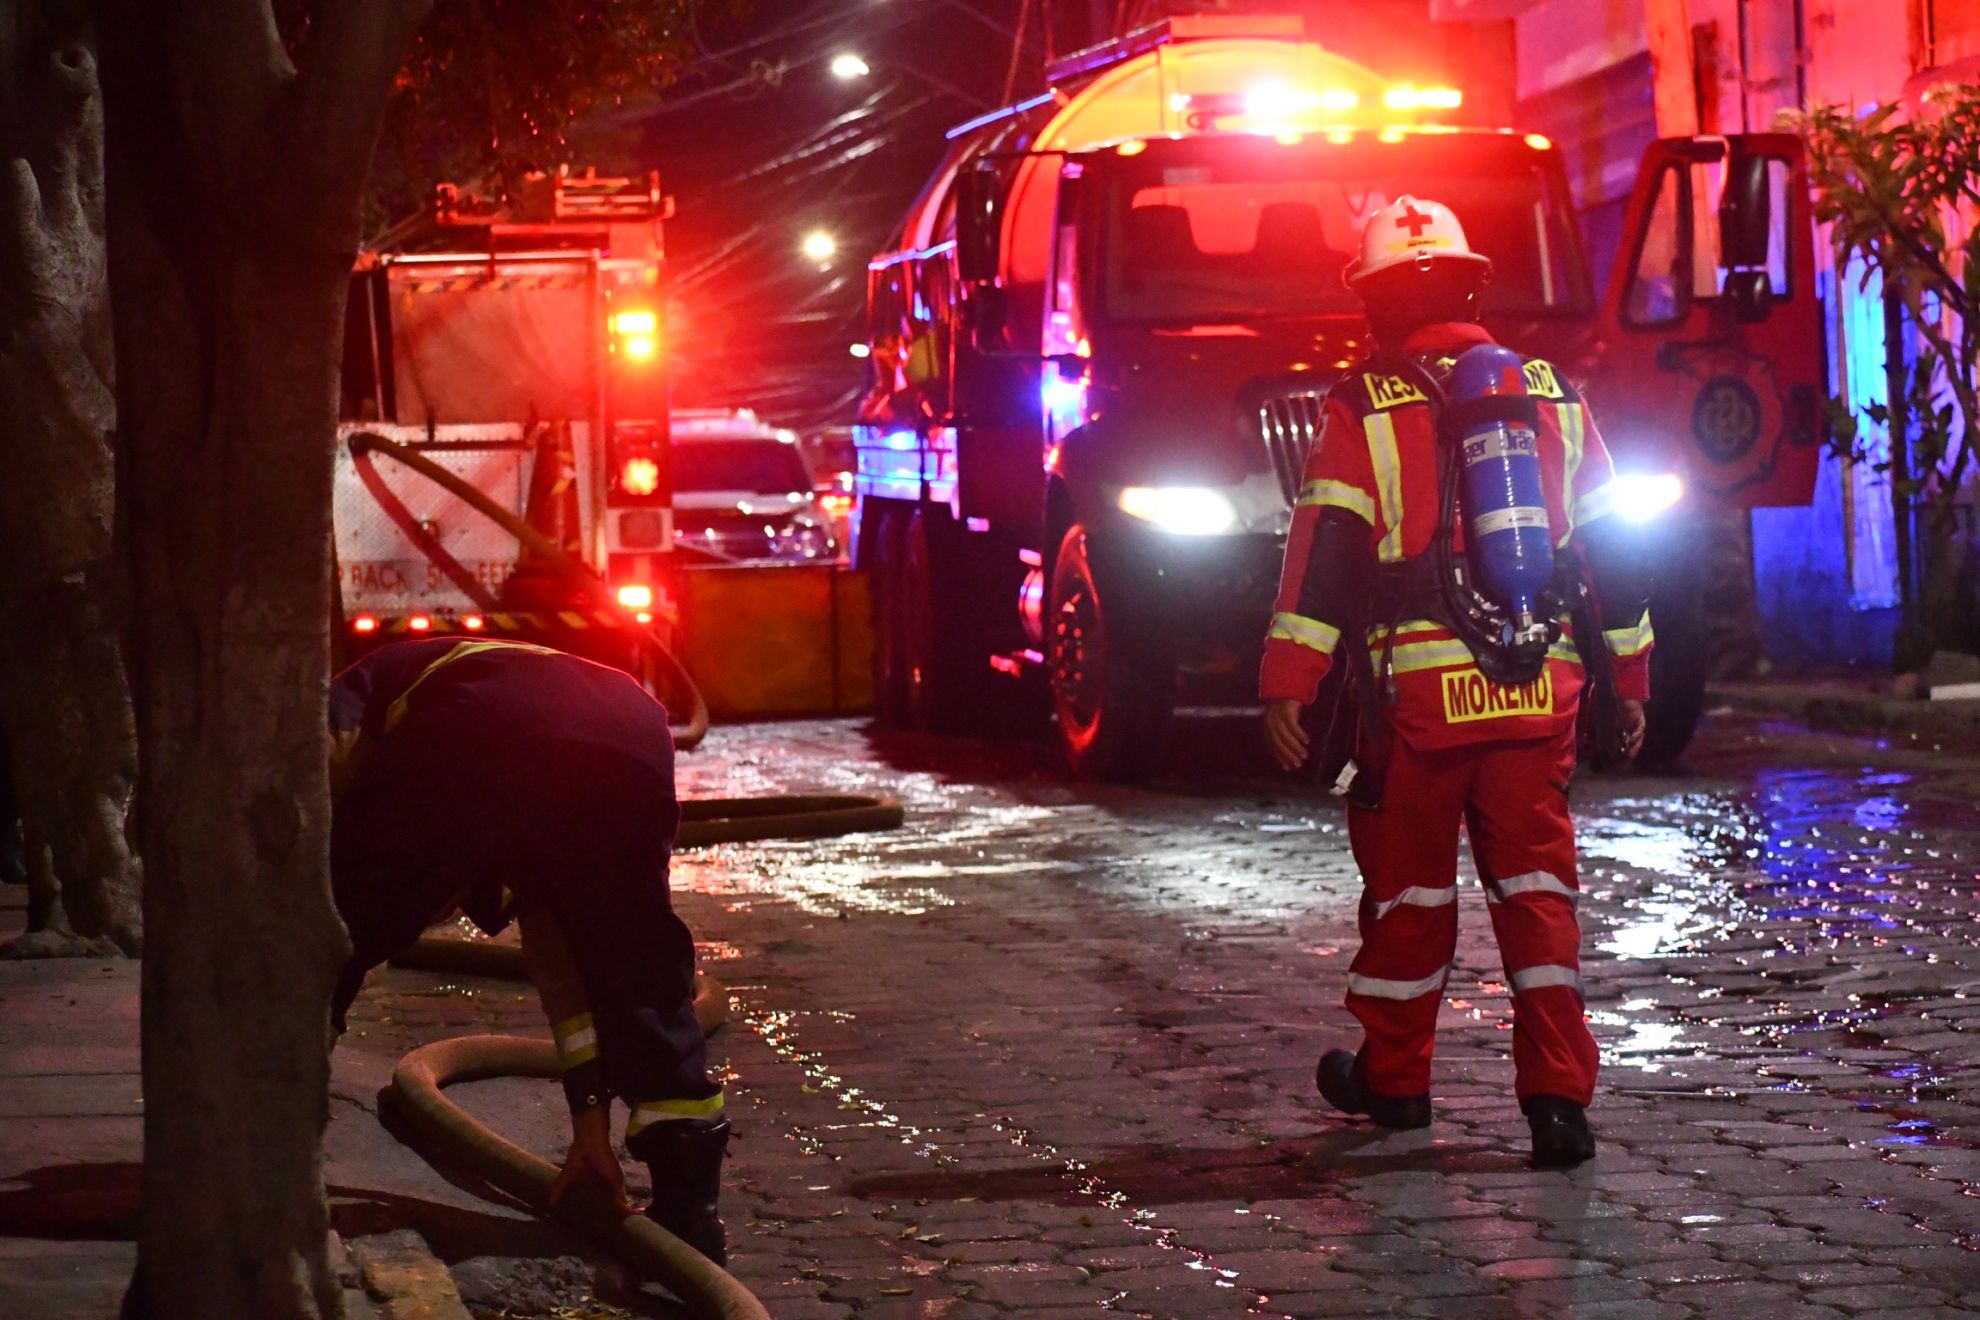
[1642, 497]
[1183, 510]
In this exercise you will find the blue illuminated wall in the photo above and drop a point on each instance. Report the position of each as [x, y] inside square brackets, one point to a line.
[1822, 586]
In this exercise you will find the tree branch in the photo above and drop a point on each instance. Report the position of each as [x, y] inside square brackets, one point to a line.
[1951, 291]
[1953, 364]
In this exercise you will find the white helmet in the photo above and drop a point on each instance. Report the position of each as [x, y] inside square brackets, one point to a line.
[1412, 230]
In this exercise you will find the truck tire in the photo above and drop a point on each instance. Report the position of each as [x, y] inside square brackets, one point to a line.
[1679, 666]
[890, 706]
[1112, 678]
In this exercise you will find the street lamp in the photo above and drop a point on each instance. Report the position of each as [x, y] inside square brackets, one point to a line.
[847, 66]
[818, 246]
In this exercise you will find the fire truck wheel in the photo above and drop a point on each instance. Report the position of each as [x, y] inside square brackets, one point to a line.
[890, 709]
[1679, 665]
[1112, 679]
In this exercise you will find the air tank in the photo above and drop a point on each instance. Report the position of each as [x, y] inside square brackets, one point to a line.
[1508, 543]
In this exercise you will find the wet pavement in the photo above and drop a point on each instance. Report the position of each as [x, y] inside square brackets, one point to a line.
[1050, 1048]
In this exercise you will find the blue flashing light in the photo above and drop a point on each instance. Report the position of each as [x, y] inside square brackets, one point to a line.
[918, 254]
[997, 116]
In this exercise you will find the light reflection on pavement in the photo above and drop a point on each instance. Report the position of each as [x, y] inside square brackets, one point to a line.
[1051, 1045]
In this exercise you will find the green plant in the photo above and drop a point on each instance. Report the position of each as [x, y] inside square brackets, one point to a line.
[1891, 184]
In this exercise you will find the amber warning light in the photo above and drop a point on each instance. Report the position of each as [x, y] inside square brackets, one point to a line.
[636, 334]
[639, 476]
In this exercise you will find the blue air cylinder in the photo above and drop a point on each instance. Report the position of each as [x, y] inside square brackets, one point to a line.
[1507, 541]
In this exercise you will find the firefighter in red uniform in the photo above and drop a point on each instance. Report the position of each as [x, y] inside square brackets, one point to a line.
[517, 782]
[1437, 744]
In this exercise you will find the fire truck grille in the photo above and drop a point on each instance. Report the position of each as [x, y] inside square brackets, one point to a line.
[1290, 423]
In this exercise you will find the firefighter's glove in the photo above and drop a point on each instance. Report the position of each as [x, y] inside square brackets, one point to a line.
[1285, 735]
[591, 1162]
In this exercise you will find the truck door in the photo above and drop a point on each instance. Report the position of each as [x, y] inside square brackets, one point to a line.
[1000, 446]
[1712, 365]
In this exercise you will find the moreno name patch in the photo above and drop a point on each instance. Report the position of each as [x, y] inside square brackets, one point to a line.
[1469, 696]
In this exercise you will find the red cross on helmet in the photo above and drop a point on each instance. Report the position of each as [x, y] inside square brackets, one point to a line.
[1416, 231]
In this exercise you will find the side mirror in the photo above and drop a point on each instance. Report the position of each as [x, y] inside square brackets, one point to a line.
[979, 223]
[1745, 214]
[1750, 293]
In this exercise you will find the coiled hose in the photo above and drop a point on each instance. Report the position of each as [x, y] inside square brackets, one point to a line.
[442, 1130]
[446, 1132]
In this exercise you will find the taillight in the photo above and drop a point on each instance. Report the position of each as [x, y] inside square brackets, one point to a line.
[636, 596]
[364, 623]
[636, 334]
[473, 622]
[639, 463]
[419, 623]
[836, 505]
[639, 476]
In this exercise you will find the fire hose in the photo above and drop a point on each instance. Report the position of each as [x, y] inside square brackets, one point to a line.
[418, 1084]
[440, 1128]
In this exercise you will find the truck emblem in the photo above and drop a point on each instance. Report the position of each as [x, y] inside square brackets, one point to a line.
[1726, 419]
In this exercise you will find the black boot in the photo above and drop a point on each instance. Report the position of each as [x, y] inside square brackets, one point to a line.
[1341, 1085]
[1561, 1135]
[685, 1160]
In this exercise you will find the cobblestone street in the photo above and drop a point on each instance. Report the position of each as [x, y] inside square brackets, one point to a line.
[1051, 1047]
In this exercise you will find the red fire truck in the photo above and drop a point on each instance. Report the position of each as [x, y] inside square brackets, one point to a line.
[1100, 341]
[504, 461]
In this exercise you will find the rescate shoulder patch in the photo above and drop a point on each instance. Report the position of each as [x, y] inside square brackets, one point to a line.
[1391, 391]
[1541, 380]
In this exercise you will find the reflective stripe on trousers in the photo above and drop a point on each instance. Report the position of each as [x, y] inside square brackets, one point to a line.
[1510, 798]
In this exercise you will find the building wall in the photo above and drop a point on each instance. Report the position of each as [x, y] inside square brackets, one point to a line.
[1824, 575]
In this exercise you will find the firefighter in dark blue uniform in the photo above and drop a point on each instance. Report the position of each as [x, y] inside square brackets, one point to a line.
[519, 783]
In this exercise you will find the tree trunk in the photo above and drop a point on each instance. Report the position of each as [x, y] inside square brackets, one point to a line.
[234, 182]
[67, 713]
[63, 700]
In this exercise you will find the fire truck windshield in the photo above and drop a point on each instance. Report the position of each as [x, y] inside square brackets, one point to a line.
[758, 467]
[1228, 231]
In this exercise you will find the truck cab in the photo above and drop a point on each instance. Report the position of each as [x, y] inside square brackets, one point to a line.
[1100, 350]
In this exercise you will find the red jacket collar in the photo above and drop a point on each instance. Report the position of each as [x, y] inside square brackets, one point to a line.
[1445, 335]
